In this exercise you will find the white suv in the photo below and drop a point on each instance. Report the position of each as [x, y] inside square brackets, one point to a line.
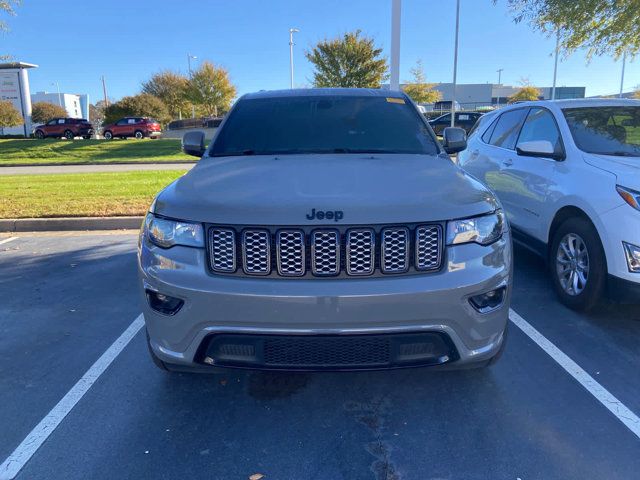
[568, 175]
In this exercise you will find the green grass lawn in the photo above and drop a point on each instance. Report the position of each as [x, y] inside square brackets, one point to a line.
[80, 195]
[66, 152]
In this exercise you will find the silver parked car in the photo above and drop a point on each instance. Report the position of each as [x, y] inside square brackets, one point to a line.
[325, 229]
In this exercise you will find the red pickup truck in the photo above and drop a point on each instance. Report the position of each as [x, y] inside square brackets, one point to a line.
[138, 127]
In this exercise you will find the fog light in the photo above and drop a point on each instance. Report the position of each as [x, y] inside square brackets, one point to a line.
[162, 303]
[633, 257]
[489, 301]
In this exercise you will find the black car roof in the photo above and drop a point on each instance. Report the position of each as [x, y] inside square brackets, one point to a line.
[315, 92]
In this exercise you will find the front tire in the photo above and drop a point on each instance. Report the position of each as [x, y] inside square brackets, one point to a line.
[578, 264]
[39, 134]
[107, 135]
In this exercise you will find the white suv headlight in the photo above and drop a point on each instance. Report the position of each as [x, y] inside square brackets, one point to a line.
[630, 196]
[483, 230]
[167, 233]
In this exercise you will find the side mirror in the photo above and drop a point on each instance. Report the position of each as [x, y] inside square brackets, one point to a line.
[193, 143]
[454, 140]
[538, 148]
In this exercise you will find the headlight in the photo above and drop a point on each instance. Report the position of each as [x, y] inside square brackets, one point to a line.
[483, 230]
[633, 256]
[167, 233]
[630, 196]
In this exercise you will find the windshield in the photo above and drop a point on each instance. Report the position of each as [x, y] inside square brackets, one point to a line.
[323, 124]
[606, 130]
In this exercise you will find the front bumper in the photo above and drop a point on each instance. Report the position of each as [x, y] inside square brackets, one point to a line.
[434, 303]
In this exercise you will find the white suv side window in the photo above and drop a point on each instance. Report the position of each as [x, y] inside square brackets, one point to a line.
[540, 125]
[505, 132]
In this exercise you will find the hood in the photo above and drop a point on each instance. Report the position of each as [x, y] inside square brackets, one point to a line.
[626, 169]
[285, 190]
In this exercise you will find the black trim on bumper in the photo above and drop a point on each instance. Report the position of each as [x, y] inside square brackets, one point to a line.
[326, 352]
[623, 291]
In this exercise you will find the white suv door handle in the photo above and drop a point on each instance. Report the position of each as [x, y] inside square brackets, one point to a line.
[508, 162]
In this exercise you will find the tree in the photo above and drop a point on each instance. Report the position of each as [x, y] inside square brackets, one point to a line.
[348, 61]
[526, 92]
[8, 7]
[42, 112]
[636, 93]
[210, 89]
[142, 105]
[603, 27]
[9, 115]
[419, 90]
[96, 112]
[171, 88]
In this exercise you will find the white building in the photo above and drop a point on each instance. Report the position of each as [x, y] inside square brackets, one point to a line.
[76, 105]
[14, 87]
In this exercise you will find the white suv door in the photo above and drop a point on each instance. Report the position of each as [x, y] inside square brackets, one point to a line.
[537, 180]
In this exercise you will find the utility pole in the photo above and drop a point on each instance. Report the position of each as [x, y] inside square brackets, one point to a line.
[555, 65]
[189, 57]
[499, 83]
[291, 32]
[624, 61]
[455, 64]
[57, 84]
[396, 7]
[104, 92]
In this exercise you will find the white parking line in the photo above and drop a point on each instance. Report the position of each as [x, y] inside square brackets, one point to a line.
[7, 240]
[611, 403]
[21, 455]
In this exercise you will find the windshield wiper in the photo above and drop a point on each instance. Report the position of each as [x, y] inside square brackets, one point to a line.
[621, 154]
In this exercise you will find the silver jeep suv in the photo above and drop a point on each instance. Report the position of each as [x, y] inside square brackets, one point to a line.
[325, 229]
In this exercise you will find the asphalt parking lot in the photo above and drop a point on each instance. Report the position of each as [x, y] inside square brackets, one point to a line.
[65, 299]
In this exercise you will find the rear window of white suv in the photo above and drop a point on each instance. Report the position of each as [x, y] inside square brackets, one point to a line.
[309, 124]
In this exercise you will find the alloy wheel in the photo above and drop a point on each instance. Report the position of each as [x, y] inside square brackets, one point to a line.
[572, 264]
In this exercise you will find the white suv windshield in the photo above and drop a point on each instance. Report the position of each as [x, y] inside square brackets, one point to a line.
[323, 124]
[606, 130]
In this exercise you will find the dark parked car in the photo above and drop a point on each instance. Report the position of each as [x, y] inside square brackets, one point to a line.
[465, 120]
[65, 127]
[138, 127]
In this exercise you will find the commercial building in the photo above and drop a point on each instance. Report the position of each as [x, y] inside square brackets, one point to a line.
[14, 87]
[76, 105]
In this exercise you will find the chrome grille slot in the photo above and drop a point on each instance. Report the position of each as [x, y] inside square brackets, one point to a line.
[361, 245]
[428, 251]
[256, 252]
[290, 253]
[325, 252]
[395, 250]
[222, 250]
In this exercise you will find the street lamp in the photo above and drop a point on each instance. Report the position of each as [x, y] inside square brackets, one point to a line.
[396, 9]
[499, 83]
[59, 96]
[291, 32]
[555, 65]
[624, 61]
[189, 58]
[455, 64]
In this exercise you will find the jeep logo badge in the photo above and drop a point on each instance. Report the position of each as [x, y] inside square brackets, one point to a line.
[336, 215]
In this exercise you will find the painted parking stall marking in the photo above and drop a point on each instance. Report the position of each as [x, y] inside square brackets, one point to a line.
[615, 406]
[23, 453]
[7, 240]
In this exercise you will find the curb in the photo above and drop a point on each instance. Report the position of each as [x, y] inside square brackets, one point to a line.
[54, 164]
[69, 223]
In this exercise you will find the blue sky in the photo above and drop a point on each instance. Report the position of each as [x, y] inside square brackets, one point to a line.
[75, 42]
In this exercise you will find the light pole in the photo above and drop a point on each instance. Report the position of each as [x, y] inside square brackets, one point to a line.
[455, 64]
[499, 83]
[555, 65]
[59, 96]
[189, 58]
[624, 61]
[394, 83]
[291, 32]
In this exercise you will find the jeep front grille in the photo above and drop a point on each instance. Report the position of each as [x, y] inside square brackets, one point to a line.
[324, 252]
